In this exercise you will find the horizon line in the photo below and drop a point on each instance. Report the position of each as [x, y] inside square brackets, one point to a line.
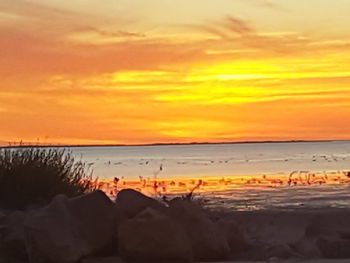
[33, 145]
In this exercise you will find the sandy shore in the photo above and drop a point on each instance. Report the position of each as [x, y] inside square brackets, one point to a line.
[294, 235]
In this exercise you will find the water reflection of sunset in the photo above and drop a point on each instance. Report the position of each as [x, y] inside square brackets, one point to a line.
[162, 186]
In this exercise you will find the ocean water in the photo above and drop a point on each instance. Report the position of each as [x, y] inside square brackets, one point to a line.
[219, 160]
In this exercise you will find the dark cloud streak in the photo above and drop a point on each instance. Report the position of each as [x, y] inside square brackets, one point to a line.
[239, 32]
[113, 34]
[266, 4]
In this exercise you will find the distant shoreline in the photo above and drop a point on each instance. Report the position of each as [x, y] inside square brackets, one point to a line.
[162, 144]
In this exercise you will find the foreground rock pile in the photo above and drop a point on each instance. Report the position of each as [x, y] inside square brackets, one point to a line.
[134, 228]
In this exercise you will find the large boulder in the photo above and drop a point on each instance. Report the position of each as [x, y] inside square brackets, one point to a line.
[95, 218]
[2, 217]
[327, 234]
[307, 247]
[69, 229]
[334, 247]
[330, 233]
[12, 238]
[132, 202]
[153, 236]
[235, 235]
[330, 223]
[208, 243]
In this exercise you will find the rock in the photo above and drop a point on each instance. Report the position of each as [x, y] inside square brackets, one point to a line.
[153, 236]
[207, 241]
[236, 238]
[111, 249]
[307, 247]
[334, 247]
[132, 202]
[69, 229]
[262, 252]
[3, 226]
[282, 252]
[11, 260]
[278, 228]
[95, 219]
[2, 217]
[12, 242]
[335, 224]
[328, 235]
[103, 260]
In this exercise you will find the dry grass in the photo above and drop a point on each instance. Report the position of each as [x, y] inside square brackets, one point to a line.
[33, 176]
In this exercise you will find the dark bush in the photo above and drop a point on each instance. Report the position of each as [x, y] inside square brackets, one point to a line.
[33, 176]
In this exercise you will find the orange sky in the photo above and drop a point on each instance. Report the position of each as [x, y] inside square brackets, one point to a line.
[136, 71]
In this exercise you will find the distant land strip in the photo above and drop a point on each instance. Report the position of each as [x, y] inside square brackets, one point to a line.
[29, 145]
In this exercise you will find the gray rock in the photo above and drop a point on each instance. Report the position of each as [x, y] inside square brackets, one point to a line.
[282, 252]
[307, 247]
[334, 247]
[207, 241]
[3, 225]
[12, 238]
[132, 202]
[335, 224]
[327, 235]
[153, 236]
[262, 252]
[69, 229]
[2, 217]
[95, 219]
[236, 237]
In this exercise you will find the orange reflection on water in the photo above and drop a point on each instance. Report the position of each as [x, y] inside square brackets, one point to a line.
[164, 186]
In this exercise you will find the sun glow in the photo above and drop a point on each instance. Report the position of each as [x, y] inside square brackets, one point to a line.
[229, 71]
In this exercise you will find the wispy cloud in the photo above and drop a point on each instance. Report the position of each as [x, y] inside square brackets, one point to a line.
[230, 28]
[238, 32]
[271, 4]
[109, 33]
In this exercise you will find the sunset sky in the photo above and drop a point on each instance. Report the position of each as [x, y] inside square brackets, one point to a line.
[146, 71]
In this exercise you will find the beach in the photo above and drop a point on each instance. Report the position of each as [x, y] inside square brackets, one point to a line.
[150, 205]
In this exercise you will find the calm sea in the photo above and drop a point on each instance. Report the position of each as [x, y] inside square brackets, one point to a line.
[208, 160]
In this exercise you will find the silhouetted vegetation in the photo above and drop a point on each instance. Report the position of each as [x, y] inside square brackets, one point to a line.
[33, 176]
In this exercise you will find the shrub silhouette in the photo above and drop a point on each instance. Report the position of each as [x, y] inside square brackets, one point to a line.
[33, 176]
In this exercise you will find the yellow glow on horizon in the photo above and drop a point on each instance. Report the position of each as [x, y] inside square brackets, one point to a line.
[202, 184]
[197, 128]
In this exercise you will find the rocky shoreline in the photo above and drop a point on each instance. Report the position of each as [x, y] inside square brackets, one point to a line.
[136, 228]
